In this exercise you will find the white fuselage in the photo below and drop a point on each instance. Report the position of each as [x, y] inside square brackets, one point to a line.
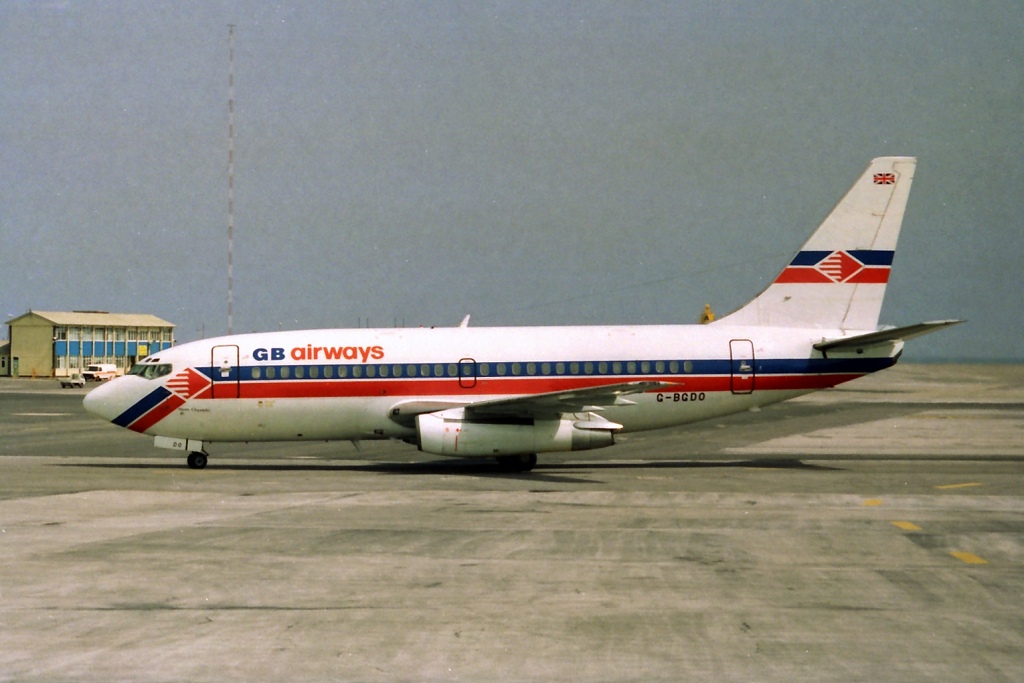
[347, 384]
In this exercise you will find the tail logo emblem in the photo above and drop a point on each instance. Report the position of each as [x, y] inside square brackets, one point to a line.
[839, 266]
[885, 178]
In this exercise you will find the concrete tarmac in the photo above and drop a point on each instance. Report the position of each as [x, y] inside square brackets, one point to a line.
[872, 532]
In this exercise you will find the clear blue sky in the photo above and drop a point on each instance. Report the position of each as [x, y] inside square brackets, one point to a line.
[526, 162]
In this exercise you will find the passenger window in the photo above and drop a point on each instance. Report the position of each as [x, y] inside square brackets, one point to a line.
[501, 369]
[357, 371]
[271, 373]
[300, 372]
[517, 369]
[574, 368]
[453, 370]
[328, 372]
[531, 368]
[673, 366]
[342, 371]
[254, 373]
[371, 371]
[398, 371]
[286, 372]
[631, 367]
[485, 369]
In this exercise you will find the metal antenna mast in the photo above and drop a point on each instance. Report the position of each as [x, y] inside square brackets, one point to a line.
[231, 168]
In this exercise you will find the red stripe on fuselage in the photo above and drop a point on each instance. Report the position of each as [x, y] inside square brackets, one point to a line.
[428, 387]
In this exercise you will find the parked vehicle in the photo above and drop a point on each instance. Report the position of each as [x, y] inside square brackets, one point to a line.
[71, 381]
[99, 372]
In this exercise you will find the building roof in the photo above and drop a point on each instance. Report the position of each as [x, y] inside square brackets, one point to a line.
[95, 318]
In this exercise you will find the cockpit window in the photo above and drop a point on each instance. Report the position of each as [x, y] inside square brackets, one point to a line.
[150, 370]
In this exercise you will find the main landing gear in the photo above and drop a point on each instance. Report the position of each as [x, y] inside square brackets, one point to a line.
[517, 463]
[196, 460]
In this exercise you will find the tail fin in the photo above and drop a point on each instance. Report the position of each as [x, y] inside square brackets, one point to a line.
[837, 280]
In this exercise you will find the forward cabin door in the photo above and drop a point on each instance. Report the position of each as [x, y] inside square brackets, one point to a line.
[224, 360]
[741, 366]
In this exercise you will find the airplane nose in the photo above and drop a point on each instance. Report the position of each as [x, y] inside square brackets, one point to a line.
[101, 401]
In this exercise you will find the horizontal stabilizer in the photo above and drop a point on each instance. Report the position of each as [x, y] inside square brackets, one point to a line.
[863, 341]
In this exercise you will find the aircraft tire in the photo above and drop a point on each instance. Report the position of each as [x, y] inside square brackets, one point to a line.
[196, 461]
[517, 463]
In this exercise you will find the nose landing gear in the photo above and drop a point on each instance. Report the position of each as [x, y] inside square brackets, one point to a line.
[196, 460]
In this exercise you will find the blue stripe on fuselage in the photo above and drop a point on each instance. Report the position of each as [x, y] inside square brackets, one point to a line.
[617, 368]
[150, 401]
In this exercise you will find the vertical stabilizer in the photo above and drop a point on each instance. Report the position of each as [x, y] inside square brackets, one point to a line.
[837, 280]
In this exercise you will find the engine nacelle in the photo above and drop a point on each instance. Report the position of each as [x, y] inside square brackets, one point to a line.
[448, 432]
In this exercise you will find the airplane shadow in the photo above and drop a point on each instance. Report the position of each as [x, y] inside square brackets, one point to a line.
[551, 472]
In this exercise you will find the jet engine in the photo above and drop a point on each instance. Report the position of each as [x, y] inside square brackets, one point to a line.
[452, 432]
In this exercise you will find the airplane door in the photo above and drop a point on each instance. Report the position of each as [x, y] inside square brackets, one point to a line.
[741, 366]
[224, 360]
[467, 373]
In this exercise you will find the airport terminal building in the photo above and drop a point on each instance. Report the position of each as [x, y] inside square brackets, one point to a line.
[59, 344]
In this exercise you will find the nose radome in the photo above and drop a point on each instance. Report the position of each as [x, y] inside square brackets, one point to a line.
[100, 401]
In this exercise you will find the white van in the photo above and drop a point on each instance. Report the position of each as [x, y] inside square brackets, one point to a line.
[100, 372]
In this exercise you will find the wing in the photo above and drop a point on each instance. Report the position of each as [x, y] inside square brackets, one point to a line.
[555, 403]
[549, 405]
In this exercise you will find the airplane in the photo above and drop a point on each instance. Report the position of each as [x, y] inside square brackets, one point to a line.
[513, 392]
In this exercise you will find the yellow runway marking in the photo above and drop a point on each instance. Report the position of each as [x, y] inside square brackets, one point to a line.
[907, 526]
[959, 486]
[969, 558]
[872, 502]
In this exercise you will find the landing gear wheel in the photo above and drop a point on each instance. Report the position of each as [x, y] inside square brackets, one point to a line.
[517, 463]
[196, 461]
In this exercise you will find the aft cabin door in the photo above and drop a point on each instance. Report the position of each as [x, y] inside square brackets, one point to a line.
[741, 366]
[224, 360]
